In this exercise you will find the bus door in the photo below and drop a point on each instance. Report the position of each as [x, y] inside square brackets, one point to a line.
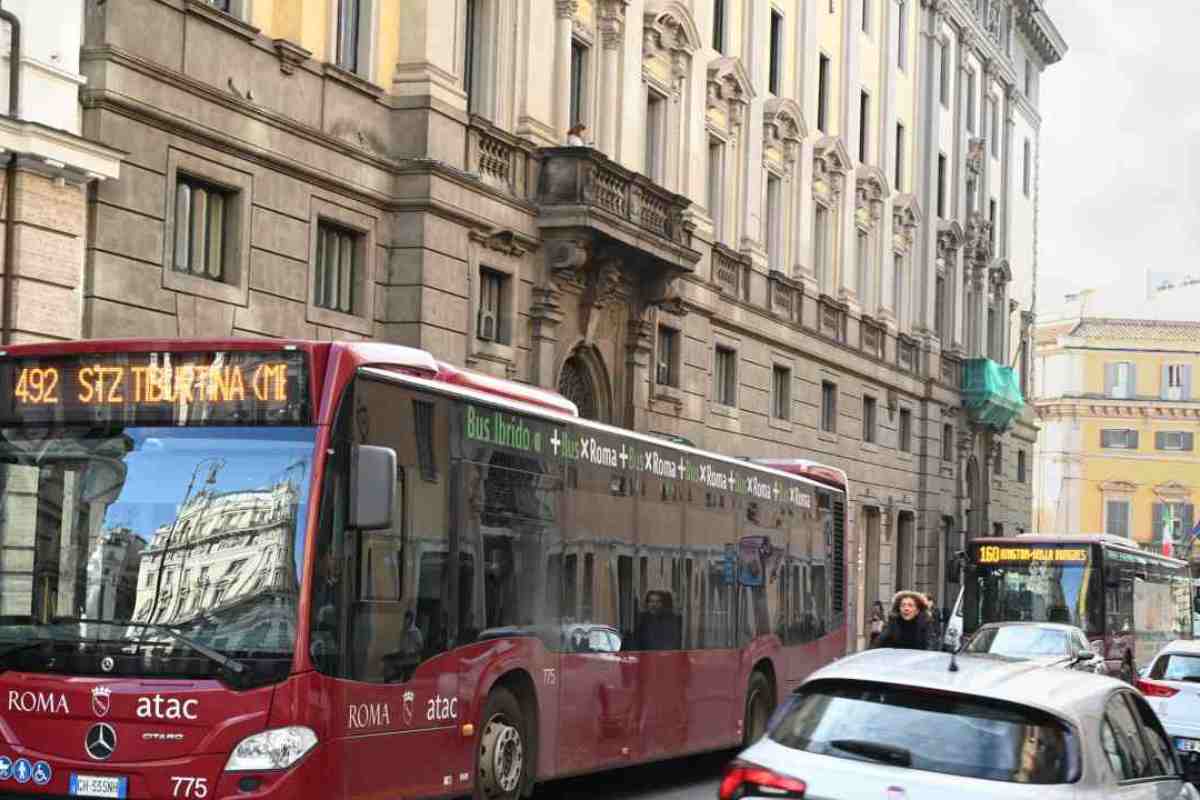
[384, 609]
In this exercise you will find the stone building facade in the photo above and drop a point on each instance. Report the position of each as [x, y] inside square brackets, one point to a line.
[794, 228]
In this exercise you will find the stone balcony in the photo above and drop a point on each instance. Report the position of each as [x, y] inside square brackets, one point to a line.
[581, 193]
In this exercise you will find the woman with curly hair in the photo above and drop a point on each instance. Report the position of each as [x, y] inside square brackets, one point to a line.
[909, 626]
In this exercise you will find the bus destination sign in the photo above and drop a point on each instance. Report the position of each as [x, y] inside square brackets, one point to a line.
[995, 554]
[233, 387]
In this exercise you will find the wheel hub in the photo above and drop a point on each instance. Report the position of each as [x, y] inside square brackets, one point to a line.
[501, 758]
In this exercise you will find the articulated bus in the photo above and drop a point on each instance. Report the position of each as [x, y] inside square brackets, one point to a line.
[1128, 601]
[276, 569]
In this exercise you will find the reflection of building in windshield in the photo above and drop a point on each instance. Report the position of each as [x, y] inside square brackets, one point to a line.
[112, 573]
[222, 548]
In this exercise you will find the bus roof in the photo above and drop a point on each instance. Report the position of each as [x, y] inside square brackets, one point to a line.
[1075, 538]
[822, 473]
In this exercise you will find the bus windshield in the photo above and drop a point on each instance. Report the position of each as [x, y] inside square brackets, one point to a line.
[135, 550]
[1033, 591]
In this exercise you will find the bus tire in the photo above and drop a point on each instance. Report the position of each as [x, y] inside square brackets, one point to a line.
[502, 766]
[758, 708]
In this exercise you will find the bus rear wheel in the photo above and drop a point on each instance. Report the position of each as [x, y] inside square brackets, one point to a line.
[503, 749]
[758, 708]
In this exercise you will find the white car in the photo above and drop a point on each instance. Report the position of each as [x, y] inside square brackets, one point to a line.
[1171, 684]
[905, 725]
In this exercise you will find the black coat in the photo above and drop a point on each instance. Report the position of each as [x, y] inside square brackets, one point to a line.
[903, 635]
[662, 631]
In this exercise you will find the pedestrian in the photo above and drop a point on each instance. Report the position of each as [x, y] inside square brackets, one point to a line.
[935, 622]
[877, 621]
[908, 625]
[575, 135]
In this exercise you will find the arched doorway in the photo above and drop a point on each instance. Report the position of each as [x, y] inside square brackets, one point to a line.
[584, 382]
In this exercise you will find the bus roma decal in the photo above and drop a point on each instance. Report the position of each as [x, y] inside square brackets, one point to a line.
[361, 716]
[38, 702]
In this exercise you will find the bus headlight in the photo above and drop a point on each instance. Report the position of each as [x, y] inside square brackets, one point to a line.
[274, 749]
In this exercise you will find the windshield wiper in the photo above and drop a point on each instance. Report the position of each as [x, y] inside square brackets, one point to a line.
[899, 756]
[216, 656]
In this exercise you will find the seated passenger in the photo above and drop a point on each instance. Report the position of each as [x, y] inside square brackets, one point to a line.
[658, 627]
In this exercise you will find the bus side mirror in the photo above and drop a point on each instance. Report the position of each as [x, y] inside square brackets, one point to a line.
[372, 487]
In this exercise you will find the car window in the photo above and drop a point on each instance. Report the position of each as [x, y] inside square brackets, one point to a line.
[1128, 740]
[1021, 641]
[951, 734]
[599, 641]
[1176, 667]
[1158, 746]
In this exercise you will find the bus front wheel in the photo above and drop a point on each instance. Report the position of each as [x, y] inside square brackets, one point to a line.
[758, 708]
[503, 748]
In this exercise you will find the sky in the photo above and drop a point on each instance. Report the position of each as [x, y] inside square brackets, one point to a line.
[1119, 181]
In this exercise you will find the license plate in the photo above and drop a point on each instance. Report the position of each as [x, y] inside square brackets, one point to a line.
[1187, 745]
[99, 786]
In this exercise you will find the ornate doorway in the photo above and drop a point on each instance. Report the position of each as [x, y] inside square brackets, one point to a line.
[582, 381]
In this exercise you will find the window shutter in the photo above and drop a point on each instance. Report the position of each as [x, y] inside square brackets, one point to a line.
[1157, 526]
[1106, 438]
[1132, 380]
[1188, 441]
[1187, 382]
[1131, 440]
[1166, 381]
[1160, 440]
[1188, 511]
[1110, 379]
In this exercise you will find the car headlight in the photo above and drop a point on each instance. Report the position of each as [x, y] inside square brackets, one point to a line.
[274, 749]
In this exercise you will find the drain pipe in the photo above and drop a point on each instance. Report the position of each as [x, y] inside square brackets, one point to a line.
[10, 174]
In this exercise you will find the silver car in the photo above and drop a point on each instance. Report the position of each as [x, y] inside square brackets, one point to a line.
[1048, 643]
[904, 725]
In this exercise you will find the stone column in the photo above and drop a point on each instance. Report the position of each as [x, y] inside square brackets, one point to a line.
[562, 64]
[1003, 236]
[639, 346]
[925, 177]
[847, 285]
[612, 36]
[985, 133]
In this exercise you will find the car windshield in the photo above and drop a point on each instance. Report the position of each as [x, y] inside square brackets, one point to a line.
[115, 543]
[1021, 641]
[1176, 667]
[936, 732]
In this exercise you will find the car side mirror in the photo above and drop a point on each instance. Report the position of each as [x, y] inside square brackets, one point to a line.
[372, 487]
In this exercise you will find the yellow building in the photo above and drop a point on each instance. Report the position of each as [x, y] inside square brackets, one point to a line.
[1118, 410]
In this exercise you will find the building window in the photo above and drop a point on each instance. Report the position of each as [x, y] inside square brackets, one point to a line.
[1177, 382]
[718, 42]
[656, 121]
[1023, 366]
[904, 431]
[349, 34]
[939, 307]
[1020, 466]
[221, 5]
[725, 379]
[947, 442]
[781, 393]
[993, 340]
[1119, 439]
[1120, 380]
[821, 242]
[868, 420]
[866, 16]
[998, 461]
[971, 195]
[1029, 79]
[1027, 168]
[1116, 517]
[992, 220]
[337, 267]
[994, 112]
[902, 37]
[864, 125]
[898, 279]
[776, 68]
[944, 77]
[491, 322]
[666, 371]
[1174, 440]
[471, 56]
[774, 220]
[1170, 519]
[579, 59]
[941, 186]
[899, 156]
[823, 94]
[970, 102]
[202, 213]
[828, 407]
[716, 185]
[863, 253]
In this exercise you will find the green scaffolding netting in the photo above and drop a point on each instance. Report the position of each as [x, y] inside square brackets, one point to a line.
[991, 393]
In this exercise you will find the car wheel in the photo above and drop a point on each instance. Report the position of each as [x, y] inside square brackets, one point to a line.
[758, 708]
[504, 749]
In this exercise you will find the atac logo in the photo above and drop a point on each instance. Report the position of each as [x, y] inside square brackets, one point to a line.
[407, 709]
[101, 701]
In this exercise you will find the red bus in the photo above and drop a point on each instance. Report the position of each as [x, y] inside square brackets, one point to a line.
[251, 568]
[1129, 602]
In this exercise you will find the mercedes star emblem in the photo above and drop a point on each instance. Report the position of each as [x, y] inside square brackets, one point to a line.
[101, 741]
[107, 664]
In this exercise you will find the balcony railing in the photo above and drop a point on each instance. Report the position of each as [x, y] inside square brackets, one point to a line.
[991, 393]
